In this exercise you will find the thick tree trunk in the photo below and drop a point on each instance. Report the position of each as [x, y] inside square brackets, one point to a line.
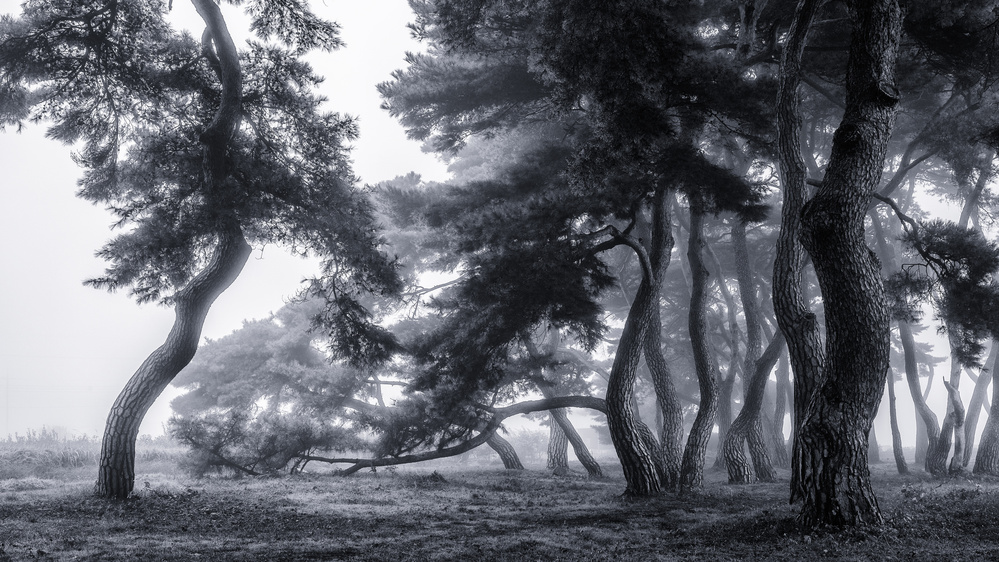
[873, 447]
[641, 469]
[692, 464]
[739, 471]
[116, 474]
[833, 475]
[506, 452]
[896, 435]
[796, 321]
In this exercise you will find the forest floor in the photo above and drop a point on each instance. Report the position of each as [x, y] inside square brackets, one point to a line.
[449, 512]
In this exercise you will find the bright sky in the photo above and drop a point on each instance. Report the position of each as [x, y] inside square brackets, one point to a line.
[65, 349]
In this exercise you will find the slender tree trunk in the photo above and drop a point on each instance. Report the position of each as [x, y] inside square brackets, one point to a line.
[116, 471]
[936, 455]
[873, 447]
[977, 402]
[931, 427]
[560, 417]
[506, 452]
[739, 471]
[957, 415]
[896, 435]
[781, 457]
[671, 433]
[692, 464]
[987, 457]
[796, 321]
[833, 474]
[116, 475]
[558, 447]
[641, 469]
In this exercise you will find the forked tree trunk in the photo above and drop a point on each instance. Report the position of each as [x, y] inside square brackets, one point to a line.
[833, 473]
[692, 464]
[938, 453]
[116, 474]
[630, 437]
[558, 446]
[506, 452]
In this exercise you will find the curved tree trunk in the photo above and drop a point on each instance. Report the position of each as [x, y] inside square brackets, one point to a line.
[937, 454]
[506, 452]
[957, 415]
[116, 472]
[739, 471]
[692, 464]
[638, 460]
[833, 475]
[796, 321]
[896, 435]
[781, 457]
[558, 446]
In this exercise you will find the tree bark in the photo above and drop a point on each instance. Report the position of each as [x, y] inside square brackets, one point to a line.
[937, 454]
[977, 402]
[987, 458]
[739, 471]
[957, 415]
[506, 452]
[630, 438]
[116, 472]
[692, 464]
[896, 435]
[558, 446]
[796, 321]
[671, 432]
[833, 472]
[781, 457]
[561, 419]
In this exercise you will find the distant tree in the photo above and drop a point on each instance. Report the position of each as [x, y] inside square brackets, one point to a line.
[201, 150]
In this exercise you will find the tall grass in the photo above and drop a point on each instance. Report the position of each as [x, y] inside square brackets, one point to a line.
[47, 453]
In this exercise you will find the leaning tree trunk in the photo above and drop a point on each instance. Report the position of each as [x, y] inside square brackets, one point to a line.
[506, 452]
[896, 435]
[796, 320]
[116, 475]
[116, 472]
[692, 464]
[937, 454]
[957, 415]
[671, 433]
[558, 446]
[833, 473]
[583, 455]
[630, 437]
[739, 471]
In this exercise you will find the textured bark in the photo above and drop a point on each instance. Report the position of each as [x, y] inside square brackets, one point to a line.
[873, 447]
[583, 455]
[937, 454]
[116, 474]
[896, 436]
[977, 401]
[739, 471]
[116, 471]
[833, 474]
[638, 460]
[692, 464]
[506, 452]
[987, 458]
[793, 315]
[956, 420]
[671, 432]
[558, 447]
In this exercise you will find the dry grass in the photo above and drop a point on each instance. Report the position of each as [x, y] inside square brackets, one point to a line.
[419, 514]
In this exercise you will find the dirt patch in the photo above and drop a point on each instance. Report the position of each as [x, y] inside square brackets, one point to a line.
[489, 515]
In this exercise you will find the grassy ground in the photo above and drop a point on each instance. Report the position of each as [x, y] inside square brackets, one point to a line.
[450, 513]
